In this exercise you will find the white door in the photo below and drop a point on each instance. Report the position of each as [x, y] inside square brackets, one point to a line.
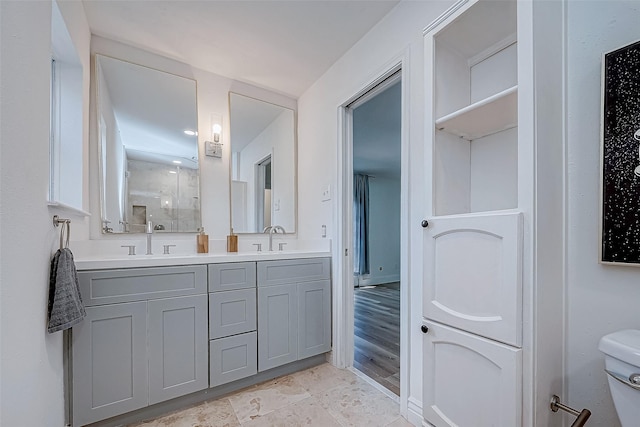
[473, 274]
[470, 381]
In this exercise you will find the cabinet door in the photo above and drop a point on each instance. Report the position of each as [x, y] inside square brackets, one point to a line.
[178, 340]
[314, 318]
[232, 312]
[277, 326]
[109, 362]
[469, 380]
[473, 274]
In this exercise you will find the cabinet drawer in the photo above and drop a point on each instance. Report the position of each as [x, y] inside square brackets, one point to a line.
[279, 272]
[235, 275]
[233, 358]
[139, 284]
[232, 312]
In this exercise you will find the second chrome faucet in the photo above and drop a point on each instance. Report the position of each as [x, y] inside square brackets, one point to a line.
[271, 230]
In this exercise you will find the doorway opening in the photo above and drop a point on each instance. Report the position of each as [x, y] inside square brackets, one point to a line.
[376, 121]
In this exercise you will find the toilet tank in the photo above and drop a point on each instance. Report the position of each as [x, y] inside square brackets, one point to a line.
[622, 364]
[623, 345]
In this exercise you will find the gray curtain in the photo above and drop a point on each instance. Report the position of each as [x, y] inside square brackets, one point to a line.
[360, 224]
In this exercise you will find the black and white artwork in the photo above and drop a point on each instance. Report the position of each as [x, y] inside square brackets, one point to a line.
[621, 156]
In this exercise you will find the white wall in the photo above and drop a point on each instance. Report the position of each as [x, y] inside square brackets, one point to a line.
[398, 34]
[275, 140]
[600, 299]
[31, 365]
[384, 230]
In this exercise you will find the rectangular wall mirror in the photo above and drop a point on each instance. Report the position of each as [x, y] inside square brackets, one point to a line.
[148, 145]
[263, 165]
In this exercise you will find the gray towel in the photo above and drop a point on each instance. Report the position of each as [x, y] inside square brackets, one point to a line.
[65, 304]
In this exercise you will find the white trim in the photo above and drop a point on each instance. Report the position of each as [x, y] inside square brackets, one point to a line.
[68, 209]
[382, 389]
[445, 15]
[343, 329]
[414, 412]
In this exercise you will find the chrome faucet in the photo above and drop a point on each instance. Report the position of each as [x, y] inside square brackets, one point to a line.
[273, 229]
[149, 234]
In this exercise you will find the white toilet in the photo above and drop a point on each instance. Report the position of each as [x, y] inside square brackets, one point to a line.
[622, 364]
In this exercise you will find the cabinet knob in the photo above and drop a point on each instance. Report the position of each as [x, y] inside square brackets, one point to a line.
[424, 329]
[424, 223]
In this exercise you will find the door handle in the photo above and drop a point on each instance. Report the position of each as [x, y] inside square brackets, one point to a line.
[424, 329]
[424, 223]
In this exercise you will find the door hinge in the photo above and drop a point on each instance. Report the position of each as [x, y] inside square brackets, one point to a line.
[346, 252]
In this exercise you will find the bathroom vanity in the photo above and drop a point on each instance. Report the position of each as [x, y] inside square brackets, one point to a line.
[158, 332]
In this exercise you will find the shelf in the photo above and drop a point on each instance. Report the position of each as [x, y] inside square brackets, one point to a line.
[67, 209]
[491, 115]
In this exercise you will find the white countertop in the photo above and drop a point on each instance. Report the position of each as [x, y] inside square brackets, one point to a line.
[126, 261]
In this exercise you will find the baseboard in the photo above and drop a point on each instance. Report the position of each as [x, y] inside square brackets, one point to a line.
[414, 412]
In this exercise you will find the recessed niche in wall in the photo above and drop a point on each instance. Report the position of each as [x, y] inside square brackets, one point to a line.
[65, 152]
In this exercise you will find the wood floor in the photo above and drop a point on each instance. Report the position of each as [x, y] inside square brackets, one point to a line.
[377, 334]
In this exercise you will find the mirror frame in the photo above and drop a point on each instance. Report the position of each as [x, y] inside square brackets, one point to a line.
[96, 129]
[295, 163]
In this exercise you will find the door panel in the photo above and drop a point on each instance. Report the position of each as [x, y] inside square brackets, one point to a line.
[470, 381]
[473, 274]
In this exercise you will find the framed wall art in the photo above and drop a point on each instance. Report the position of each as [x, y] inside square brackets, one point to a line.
[620, 156]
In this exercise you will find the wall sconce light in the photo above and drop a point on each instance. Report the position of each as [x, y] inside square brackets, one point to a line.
[214, 148]
[217, 130]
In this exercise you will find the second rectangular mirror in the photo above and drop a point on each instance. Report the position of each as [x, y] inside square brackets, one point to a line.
[263, 165]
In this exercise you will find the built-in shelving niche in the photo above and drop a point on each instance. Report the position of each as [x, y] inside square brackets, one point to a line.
[476, 117]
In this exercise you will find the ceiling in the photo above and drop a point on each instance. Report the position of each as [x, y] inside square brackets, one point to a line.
[284, 46]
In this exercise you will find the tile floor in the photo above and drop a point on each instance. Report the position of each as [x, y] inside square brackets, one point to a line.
[321, 396]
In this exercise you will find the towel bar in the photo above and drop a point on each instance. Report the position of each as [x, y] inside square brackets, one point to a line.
[582, 416]
[57, 221]
[66, 226]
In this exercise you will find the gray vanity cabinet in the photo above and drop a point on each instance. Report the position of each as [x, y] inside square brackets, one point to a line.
[144, 339]
[233, 351]
[294, 310]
